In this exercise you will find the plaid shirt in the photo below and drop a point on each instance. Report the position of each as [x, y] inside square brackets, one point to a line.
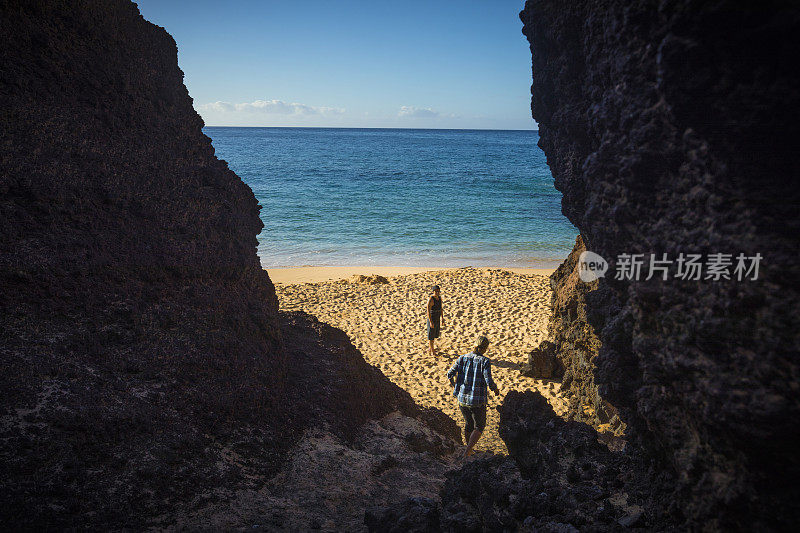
[474, 377]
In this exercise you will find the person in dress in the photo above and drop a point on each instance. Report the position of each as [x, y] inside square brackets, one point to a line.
[435, 317]
[471, 377]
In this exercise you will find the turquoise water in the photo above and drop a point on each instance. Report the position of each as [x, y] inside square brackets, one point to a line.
[399, 197]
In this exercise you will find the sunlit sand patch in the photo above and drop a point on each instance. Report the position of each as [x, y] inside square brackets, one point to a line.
[385, 319]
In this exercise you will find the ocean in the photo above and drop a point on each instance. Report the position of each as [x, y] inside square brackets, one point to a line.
[399, 197]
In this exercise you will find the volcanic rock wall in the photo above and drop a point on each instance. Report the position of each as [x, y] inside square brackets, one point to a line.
[141, 347]
[135, 315]
[671, 127]
[576, 345]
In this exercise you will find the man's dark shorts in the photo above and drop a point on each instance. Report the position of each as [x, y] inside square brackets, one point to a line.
[475, 416]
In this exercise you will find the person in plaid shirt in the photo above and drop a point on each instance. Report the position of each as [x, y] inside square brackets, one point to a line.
[471, 377]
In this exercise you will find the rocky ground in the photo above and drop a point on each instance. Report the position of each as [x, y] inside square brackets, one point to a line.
[328, 482]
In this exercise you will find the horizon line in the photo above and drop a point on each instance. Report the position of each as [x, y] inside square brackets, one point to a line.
[369, 128]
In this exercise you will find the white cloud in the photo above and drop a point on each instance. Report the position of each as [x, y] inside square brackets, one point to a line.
[417, 112]
[271, 106]
[217, 106]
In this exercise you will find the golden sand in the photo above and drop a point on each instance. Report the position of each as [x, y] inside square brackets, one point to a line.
[314, 274]
[386, 317]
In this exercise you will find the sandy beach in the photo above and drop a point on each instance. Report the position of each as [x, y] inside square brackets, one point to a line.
[315, 274]
[382, 309]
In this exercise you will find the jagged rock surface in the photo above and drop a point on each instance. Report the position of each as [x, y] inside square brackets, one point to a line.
[670, 128]
[413, 515]
[575, 344]
[561, 478]
[136, 320]
[543, 363]
[144, 361]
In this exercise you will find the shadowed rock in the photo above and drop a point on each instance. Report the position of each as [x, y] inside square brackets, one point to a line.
[544, 445]
[414, 515]
[559, 478]
[671, 129]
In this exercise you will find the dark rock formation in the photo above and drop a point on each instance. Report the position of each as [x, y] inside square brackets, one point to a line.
[136, 320]
[671, 128]
[140, 339]
[414, 515]
[543, 363]
[483, 496]
[575, 344]
[560, 479]
[545, 445]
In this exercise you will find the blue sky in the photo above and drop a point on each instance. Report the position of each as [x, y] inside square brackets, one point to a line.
[412, 64]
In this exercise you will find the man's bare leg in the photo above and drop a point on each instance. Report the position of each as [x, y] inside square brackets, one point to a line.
[473, 440]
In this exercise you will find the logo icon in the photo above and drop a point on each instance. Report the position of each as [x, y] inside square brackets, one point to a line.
[591, 266]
